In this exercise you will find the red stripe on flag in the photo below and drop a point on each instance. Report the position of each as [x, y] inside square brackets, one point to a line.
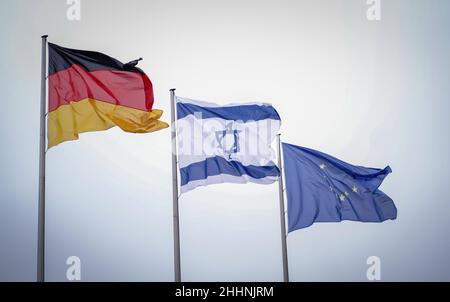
[123, 88]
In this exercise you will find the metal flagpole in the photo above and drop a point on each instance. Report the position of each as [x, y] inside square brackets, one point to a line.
[176, 219]
[282, 215]
[41, 209]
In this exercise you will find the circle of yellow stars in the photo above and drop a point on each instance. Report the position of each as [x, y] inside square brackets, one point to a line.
[341, 196]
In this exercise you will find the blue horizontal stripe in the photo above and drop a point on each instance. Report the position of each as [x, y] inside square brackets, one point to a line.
[238, 113]
[219, 165]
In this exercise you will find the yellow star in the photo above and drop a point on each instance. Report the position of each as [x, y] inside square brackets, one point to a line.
[342, 197]
[346, 193]
[322, 166]
[355, 189]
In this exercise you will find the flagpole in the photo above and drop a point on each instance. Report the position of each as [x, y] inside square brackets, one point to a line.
[176, 219]
[282, 214]
[42, 143]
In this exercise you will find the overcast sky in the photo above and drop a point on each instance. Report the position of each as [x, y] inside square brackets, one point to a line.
[372, 93]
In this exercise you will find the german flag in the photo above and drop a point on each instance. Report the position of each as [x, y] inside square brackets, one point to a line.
[90, 91]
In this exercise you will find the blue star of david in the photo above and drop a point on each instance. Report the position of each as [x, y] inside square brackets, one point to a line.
[221, 135]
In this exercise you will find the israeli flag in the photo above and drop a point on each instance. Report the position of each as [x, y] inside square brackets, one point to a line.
[225, 143]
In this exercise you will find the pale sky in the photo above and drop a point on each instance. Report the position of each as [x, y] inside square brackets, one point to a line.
[372, 93]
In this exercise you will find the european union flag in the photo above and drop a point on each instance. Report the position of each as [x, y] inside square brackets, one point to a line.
[321, 188]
